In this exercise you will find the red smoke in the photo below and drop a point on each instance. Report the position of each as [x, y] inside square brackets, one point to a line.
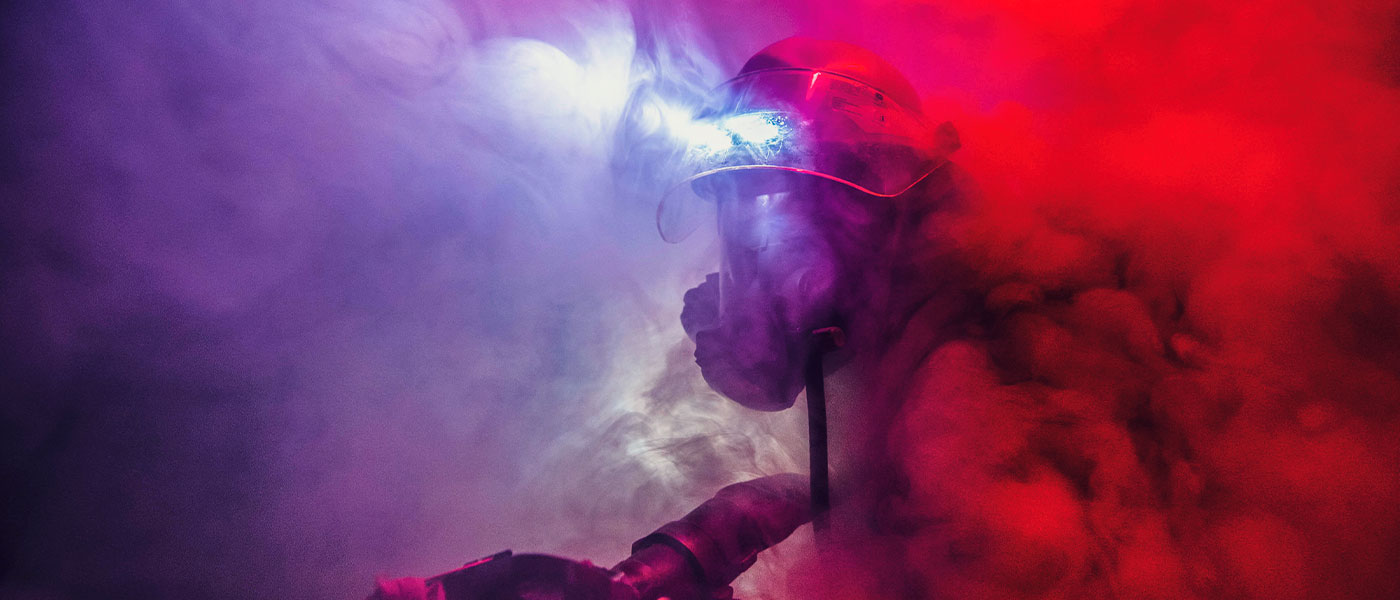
[1190, 378]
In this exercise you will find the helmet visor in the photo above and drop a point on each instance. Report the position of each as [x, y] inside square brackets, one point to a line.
[799, 121]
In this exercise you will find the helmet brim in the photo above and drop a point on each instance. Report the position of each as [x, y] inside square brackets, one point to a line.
[803, 122]
[683, 209]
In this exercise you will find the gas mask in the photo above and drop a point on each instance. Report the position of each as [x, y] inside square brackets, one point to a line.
[791, 249]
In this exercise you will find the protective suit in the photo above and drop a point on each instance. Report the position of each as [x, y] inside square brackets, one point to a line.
[831, 193]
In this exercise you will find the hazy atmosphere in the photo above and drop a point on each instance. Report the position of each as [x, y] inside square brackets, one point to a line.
[294, 295]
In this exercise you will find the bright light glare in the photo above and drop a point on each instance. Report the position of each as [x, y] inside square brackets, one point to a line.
[755, 128]
[704, 136]
[710, 137]
[675, 118]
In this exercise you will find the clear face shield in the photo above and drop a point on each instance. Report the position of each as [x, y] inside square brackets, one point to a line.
[791, 253]
[777, 252]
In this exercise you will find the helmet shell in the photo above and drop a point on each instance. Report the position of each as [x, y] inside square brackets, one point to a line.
[809, 108]
[840, 58]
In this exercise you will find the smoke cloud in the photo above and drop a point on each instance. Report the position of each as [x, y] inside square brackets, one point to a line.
[300, 294]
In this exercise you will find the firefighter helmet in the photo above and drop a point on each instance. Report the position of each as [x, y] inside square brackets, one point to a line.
[810, 107]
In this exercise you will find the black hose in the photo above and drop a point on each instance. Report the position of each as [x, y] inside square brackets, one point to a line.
[823, 341]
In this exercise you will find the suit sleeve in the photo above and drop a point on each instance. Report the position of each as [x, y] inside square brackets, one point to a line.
[722, 537]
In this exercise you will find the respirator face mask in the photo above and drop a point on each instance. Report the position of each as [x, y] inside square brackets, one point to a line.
[791, 249]
[774, 254]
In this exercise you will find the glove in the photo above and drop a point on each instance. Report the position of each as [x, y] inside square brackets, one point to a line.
[747, 356]
[701, 306]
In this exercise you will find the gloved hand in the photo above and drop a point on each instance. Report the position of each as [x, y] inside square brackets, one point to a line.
[701, 306]
[747, 356]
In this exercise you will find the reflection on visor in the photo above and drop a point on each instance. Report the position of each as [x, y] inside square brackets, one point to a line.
[806, 122]
[756, 131]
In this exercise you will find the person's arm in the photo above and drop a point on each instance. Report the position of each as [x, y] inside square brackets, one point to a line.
[720, 539]
[693, 558]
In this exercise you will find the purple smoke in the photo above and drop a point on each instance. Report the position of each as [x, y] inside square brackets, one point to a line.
[299, 294]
